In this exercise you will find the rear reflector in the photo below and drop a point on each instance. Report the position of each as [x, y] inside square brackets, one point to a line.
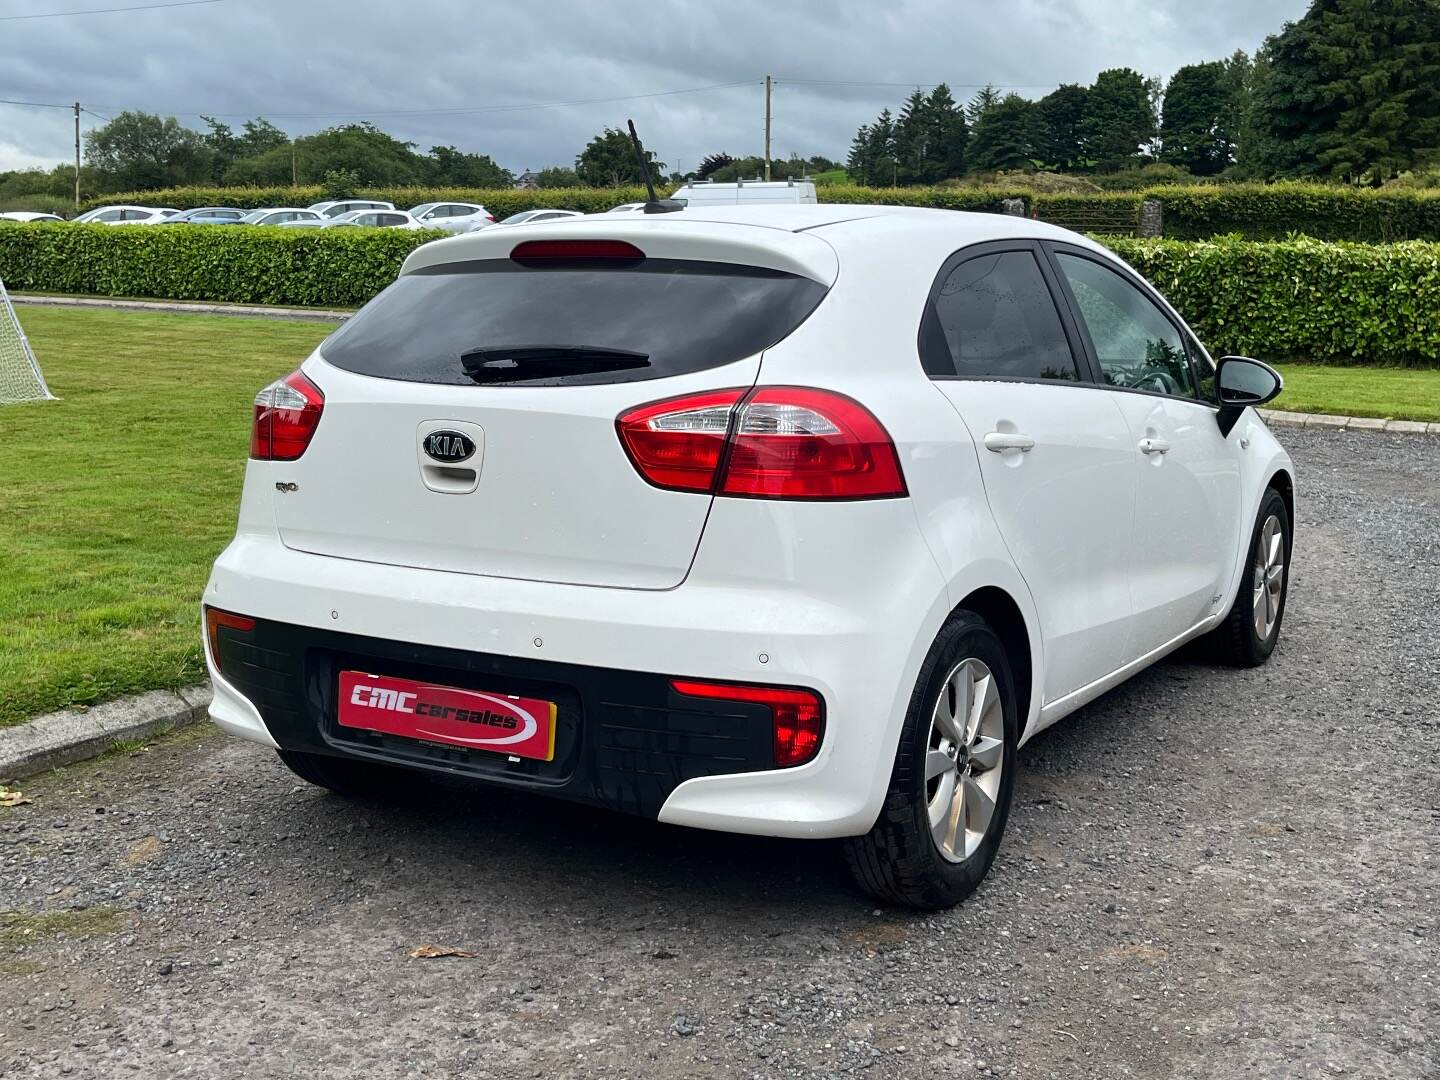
[798, 715]
[287, 413]
[575, 249]
[774, 442]
[215, 621]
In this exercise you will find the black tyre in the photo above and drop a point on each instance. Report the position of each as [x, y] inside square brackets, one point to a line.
[954, 773]
[1247, 636]
[341, 775]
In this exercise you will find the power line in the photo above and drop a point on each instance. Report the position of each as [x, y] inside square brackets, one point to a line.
[109, 11]
[35, 104]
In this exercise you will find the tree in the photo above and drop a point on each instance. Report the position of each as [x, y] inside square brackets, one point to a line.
[261, 136]
[1059, 121]
[949, 134]
[224, 147]
[608, 160]
[378, 159]
[912, 140]
[711, 163]
[556, 176]
[980, 103]
[1194, 131]
[1119, 118]
[138, 150]
[1004, 137]
[1353, 89]
[447, 166]
[872, 152]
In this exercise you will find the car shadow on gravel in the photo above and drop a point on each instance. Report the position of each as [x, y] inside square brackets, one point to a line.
[538, 851]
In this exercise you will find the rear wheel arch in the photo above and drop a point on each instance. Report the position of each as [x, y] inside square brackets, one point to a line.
[1284, 483]
[998, 608]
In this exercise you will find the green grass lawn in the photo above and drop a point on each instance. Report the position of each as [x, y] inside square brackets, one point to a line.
[115, 500]
[1392, 393]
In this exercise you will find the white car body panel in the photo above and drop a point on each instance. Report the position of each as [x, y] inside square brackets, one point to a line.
[841, 597]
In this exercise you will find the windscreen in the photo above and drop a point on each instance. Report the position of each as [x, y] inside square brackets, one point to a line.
[570, 322]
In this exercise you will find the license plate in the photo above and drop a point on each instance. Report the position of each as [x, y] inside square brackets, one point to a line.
[524, 727]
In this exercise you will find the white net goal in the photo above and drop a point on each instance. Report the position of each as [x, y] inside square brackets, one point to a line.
[20, 378]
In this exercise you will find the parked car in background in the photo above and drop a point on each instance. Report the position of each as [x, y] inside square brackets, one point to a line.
[276, 215]
[745, 192]
[29, 215]
[336, 207]
[374, 219]
[627, 208]
[530, 217]
[452, 217]
[127, 215]
[580, 541]
[206, 215]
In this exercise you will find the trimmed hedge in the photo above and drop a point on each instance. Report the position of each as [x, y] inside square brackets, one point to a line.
[1296, 300]
[242, 265]
[1301, 299]
[1275, 211]
[1192, 212]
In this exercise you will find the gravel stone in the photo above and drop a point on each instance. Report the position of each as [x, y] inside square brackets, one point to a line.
[1267, 839]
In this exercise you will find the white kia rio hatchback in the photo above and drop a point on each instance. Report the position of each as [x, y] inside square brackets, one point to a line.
[790, 520]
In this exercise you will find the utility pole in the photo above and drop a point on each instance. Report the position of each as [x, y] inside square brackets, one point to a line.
[77, 155]
[766, 127]
[294, 169]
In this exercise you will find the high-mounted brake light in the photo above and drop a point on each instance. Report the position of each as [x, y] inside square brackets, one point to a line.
[217, 620]
[575, 249]
[774, 442]
[798, 715]
[287, 413]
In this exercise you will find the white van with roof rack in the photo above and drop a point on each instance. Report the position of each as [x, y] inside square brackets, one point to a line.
[746, 192]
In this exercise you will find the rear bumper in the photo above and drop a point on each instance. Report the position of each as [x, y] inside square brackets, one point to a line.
[859, 644]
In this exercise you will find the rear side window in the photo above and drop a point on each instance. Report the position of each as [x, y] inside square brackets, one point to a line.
[570, 322]
[994, 317]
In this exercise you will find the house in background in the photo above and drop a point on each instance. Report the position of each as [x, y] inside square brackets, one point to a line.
[527, 180]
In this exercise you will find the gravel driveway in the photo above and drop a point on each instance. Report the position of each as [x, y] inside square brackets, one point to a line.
[1208, 873]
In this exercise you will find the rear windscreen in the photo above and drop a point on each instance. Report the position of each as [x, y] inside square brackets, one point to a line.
[571, 322]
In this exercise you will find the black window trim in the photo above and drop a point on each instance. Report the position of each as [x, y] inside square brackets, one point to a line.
[1084, 371]
[1052, 248]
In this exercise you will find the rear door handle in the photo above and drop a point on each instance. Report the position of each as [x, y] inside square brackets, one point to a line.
[999, 441]
[1154, 446]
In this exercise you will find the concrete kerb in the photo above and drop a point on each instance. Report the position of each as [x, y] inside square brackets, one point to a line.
[1348, 423]
[70, 735]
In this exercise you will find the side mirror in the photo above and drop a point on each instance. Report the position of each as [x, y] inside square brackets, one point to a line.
[1240, 383]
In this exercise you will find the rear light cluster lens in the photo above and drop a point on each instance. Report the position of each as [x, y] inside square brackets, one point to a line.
[798, 716]
[774, 442]
[217, 620]
[287, 413]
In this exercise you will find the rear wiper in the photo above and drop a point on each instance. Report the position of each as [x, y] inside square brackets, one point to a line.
[516, 363]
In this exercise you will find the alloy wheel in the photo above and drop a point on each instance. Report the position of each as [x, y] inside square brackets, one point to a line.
[1269, 579]
[964, 758]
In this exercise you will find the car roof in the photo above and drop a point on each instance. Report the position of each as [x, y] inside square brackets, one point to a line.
[277, 209]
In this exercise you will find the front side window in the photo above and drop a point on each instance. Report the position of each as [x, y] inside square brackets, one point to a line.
[1137, 346]
[994, 317]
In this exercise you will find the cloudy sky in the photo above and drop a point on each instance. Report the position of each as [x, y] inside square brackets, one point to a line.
[472, 73]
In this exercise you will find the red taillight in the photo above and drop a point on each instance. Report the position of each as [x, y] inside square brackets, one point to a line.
[215, 621]
[775, 442]
[286, 415]
[678, 443]
[575, 249]
[798, 715]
